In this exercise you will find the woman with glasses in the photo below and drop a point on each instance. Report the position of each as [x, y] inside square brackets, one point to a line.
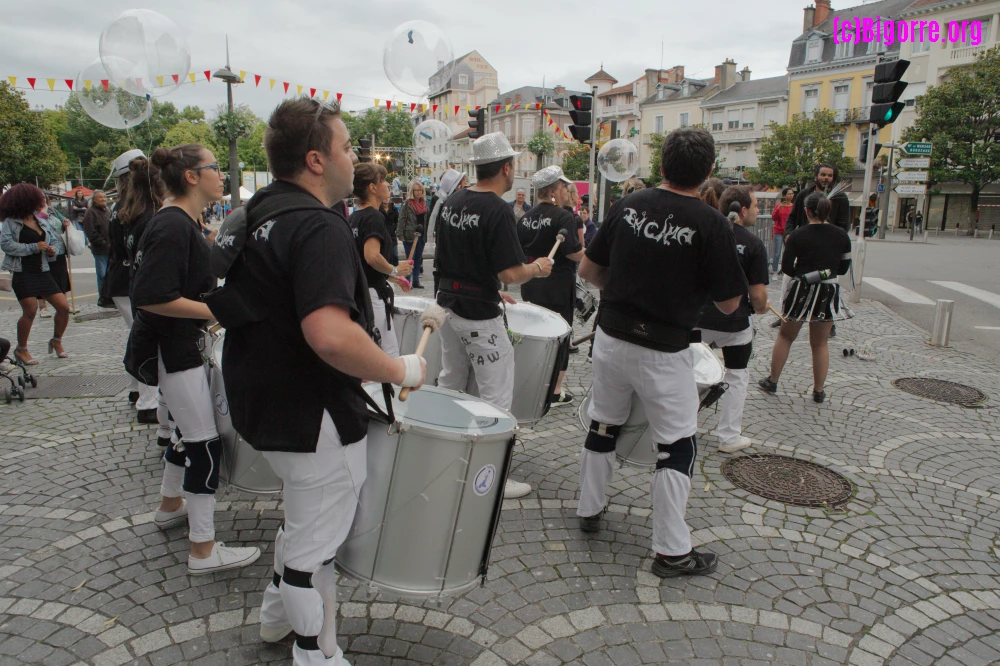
[170, 273]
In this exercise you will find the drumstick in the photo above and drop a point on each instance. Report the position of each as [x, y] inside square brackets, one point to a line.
[432, 320]
[559, 239]
[586, 338]
[413, 248]
[776, 313]
[69, 269]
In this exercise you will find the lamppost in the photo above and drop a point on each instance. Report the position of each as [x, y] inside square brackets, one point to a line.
[227, 75]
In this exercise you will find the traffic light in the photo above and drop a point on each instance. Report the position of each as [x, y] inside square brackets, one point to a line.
[477, 123]
[582, 116]
[888, 88]
[364, 150]
[863, 157]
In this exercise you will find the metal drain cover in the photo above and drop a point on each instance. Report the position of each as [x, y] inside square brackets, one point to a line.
[78, 386]
[788, 480]
[942, 391]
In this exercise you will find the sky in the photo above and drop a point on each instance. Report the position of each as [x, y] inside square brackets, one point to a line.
[337, 45]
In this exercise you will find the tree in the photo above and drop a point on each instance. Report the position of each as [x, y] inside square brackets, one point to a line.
[251, 148]
[655, 146]
[193, 113]
[391, 128]
[28, 150]
[575, 164]
[187, 131]
[961, 117]
[541, 144]
[792, 151]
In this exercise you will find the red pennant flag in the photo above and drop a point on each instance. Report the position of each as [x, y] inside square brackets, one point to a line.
[31, 81]
[176, 78]
[516, 106]
[104, 84]
[69, 83]
[312, 92]
[208, 75]
[497, 109]
[435, 109]
[457, 107]
[478, 107]
[388, 105]
[256, 80]
[339, 95]
[412, 107]
[285, 83]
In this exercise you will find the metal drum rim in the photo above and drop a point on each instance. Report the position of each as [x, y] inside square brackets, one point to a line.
[412, 594]
[457, 436]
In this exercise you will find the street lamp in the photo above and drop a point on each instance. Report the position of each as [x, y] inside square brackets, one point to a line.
[227, 75]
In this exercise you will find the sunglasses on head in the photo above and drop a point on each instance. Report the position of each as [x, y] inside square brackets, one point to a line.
[320, 107]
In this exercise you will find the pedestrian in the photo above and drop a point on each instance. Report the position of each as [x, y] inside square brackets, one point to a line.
[520, 205]
[779, 216]
[95, 226]
[391, 214]
[537, 233]
[479, 251]
[826, 178]
[814, 256]
[58, 266]
[309, 281]
[659, 256]
[631, 185]
[710, 191]
[29, 245]
[451, 181]
[733, 333]
[589, 228]
[78, 208]
[414, 221]
[171, 272]
[572, 204]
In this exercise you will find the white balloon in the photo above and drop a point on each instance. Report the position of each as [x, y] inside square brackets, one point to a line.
[107, 102]
[145, 48]
[618, 160]
[418, 58]
[430, 141]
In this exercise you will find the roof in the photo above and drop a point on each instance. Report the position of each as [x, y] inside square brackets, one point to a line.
[464, 134]
[697, 88]
[750, 90]
[920, 4]
[532, 94]
[453, 62]
[601, 75]
[883, 8]
[617, 91]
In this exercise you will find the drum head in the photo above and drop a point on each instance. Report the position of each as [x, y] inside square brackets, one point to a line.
[217, 349]
[448, 414]
[533, 321]
[411, 303]
[708, 369]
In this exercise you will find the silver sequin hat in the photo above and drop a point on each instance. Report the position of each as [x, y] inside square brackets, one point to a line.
[491, 148]
[547, 176]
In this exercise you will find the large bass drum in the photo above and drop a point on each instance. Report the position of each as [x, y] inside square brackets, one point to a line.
[635, 444]
[406, 324]
[539, 336]
[430, 506]
[243, 467]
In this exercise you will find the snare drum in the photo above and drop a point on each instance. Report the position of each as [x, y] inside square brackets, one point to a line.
[243, 467]
[430, 506]
[406, 324]
[586, 301]
[635, 444]
[539, 335]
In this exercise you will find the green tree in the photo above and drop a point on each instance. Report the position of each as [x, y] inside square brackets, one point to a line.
[576, 161]
[193, 113]
[391, 128]
[962, 119]
[187, 131]
[792, 151]
[251, 148]
[655, 146]
[28, 149]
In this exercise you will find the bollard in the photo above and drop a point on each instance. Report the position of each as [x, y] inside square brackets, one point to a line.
[942, 323]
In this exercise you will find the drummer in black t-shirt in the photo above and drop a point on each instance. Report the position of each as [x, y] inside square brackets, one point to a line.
[537, 231]
[478, 250]
[164, 348]
[734, 332]
[659, 256]
[315, 315]
[375, 246]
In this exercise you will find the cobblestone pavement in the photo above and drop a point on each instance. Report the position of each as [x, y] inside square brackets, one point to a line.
[907, 573]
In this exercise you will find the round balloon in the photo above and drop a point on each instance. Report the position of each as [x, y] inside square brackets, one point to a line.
[430, 141]
[107, 102]
[147, 50]
[618, 160]
[418, 58]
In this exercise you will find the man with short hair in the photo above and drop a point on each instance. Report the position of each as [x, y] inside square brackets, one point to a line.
[659, 256]
[303, 281]
[479, 251]
[95, 226]
[519, 205]
[825, 178]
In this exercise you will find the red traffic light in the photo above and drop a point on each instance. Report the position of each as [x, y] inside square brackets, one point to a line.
[582, 102]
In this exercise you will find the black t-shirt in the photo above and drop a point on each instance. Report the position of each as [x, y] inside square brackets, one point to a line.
[753, 261]
[666, 255]
[370, 223]
[134, 230]
[296, 264]
[537, 232]
[478, 240]
[116, 282]
[816, 247]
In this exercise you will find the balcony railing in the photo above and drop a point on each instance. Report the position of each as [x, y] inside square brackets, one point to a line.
[967, 53]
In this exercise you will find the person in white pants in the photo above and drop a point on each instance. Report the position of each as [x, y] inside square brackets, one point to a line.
[660, 255]
[734, 333]
[477, 250]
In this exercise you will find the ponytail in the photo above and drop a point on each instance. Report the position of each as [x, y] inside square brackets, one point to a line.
[818, 206]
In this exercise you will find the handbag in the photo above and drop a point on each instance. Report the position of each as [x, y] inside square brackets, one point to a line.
[76, 242]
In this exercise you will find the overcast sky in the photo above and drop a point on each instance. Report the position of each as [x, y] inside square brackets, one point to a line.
[337, 44]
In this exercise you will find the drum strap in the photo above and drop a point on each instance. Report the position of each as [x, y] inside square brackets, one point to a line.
[648, 331]
[295, 578]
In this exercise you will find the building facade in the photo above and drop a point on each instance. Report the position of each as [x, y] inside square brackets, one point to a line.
[516, 113]
[473, 83]
[621, 103]
[670, 106]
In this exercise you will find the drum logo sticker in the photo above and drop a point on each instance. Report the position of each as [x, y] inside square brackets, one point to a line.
[484, 480]
[221, 405]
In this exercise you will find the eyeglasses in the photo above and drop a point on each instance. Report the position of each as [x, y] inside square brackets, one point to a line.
[214, 167]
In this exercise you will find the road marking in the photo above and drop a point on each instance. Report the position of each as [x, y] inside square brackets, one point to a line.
[898, 291]
[988, 328]
[980, 294]
[84, 269]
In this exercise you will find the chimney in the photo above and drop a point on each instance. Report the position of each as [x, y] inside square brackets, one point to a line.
[725, 74]
[560, 90]
[517, 98]
[808, 21]
[678, 71]
[822, 11]
[745, 74]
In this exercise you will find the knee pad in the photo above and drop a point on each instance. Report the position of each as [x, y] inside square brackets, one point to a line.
[738, 357]
[602, 437]
[174, 454]
[679, 456]
[203, 459]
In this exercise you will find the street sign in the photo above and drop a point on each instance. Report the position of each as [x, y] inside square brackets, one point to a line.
[917, 148]
[915, 163]
[912, 176]
[881, 188]
[910, 189]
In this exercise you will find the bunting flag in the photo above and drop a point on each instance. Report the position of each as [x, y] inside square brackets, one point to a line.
[13, 80]
[434, 109]
[497, 109]
[31, 82]
[159, 81]
[457, 107]
[298, 91]
[256, 80]
[339, 95]
[176, 78]
[191, 76]
[272, 82]
[312, 92]
[243, 76]
[508, 108]
[208, 75]
[86, 84]
[515, 106]
[326, 93]
[285, 84]
[104, 84]
[52, 84]
[413, 106]
[377, 103]
[138, 83]
[388, 105]
[69, 83]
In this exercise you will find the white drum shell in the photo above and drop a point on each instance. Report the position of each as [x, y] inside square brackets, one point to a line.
[406, 325]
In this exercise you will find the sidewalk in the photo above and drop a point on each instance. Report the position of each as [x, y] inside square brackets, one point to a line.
[908, 572]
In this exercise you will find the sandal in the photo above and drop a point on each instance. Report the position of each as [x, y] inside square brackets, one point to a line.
[58, 352]
[21, 359]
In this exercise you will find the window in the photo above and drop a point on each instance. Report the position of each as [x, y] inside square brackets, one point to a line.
[461, 97]
[608, 102]
[772, 114]
[814, 50]
[840, 137]
[841, 96]
[874, 47]
[867, 100]
[734, 119]
[528, 127]
[844, 50]
[920, 47]
[717, 121]
[658, 125]
[749, 116]
[506, 128]
[811, 101]
[463, 79]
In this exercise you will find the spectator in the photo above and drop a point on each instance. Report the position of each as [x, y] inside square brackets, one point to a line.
[519, 204]
[95, 225]
[57, 225]
[414, 217]
[919, 221]
[779, 216]
[825, 179]
[77, 209]
[589, 228]
[711, 191]
[631, 185]
[28, 247]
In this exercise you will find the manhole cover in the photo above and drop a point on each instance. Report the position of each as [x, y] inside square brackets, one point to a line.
[79, 386]
[942, 391]
[94, 316]
[788, 480]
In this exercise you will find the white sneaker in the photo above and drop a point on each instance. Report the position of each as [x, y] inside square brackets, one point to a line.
[167, 519]
[222, 558]
[737, 444]
[44, 313]
[514, 489]
[274, 634]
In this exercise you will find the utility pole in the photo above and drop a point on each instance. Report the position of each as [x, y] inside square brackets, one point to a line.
[226, 74]
[81, 170]
[888, 195]
[860, 261]
[593, 148]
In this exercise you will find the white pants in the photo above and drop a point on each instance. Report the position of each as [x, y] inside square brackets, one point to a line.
[483, 347]
[731, 404]
[389, 344]
[665, 383]
[189, 400]
[147, 394]
[321, 492]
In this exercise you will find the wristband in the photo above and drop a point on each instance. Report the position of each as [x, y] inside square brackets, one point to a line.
[414, 371]
[395, 272]
[538, 266]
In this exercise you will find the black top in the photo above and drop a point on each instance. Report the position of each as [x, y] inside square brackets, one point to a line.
[392, 221]
[133, 233]
[77, 209]
[477, 240]
[537, 232]
[753, 261]
[370, 223]
[116, 282]
[840, 211]
[33, 262]
[667, 254]
[816, 247]
[296, 264]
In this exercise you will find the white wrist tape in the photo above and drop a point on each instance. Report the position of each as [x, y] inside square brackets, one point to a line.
[414, 370]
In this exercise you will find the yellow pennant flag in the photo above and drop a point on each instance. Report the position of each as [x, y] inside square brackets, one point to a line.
[243, 75]
[507, 109]
[467, 110]
[52, 84]
[376, 103]
[298, 90]
[191, 76]
[159, 81]
[271, 81]
[423, 108]
[86, 83]
[326, 93]
[13, 80]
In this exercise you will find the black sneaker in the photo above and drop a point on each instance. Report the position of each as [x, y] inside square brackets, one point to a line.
[146, 416]
[692, 564]
[562, 398]
[133, 397]
[592, 524]
[776, 323]
[833, 331]
[417, 286]
[819, 396]
[767, 385]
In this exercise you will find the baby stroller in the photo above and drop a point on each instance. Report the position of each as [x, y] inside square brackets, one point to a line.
[11, 366]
